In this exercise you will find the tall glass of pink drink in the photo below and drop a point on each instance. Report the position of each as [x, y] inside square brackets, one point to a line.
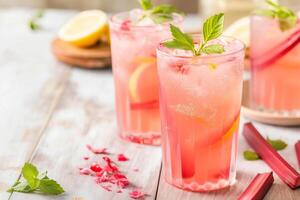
[275, 66]
[133, 45]
[200, 100]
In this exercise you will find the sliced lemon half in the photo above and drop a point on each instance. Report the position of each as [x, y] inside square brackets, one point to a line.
[240, 29]
[85, 29]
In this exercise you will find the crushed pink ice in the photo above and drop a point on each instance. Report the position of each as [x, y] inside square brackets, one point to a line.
[122, 157]
[107, 174]
[96, 150]
[137, 194]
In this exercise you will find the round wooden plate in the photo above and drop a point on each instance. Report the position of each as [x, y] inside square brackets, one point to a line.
[265, 117]
[97, 56]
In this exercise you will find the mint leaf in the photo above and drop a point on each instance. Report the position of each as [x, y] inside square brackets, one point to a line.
[33, 25]
[251, 155]
[159, 14]
[286, 17]
[277, 144]
[50, 186]
[214, 48]
[146, 4]
[30, 173]
[33, 181]
[180, 40]
[213, 27]
[174, 44]
[21, 187]
[165, 9]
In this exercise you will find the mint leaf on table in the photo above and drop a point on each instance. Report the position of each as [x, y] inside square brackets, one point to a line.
[160, 13]
[251, 155]
[33, 181]
[49, 186]
[30, 173]
[212, 29]
[286, 17]
[33, 21]
[21, 187]
[277, 144]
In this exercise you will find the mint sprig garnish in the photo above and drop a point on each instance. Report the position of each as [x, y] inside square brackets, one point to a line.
[160, 13]
[277, 144]
[33, 181]
[212, 29]
[33, 21]
[286, 17]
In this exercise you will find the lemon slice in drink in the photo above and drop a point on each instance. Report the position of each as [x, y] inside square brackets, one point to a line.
[143, 82]
[240, 29]
[85, 29]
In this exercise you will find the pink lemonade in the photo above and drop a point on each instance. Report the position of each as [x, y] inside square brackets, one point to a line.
[200, 100]
[133, 46]
[275, 66]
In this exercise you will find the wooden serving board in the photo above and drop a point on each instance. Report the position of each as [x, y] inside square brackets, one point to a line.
[98, 56]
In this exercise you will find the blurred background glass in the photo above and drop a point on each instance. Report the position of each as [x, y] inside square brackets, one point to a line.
[235, 9]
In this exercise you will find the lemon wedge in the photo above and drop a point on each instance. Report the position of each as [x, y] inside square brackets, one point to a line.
[85, 29]
[240, 29]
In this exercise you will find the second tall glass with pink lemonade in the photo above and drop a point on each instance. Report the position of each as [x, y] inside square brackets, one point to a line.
[134, 38]
[275, 60]
[200, 82]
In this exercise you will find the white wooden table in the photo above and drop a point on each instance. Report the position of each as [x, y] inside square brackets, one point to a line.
[49, 111]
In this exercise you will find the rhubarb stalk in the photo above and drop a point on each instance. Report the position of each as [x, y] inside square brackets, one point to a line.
[297, 148]
[258, 187]
[285, 171]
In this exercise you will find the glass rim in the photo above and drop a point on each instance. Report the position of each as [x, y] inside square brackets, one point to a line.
[242, 47]
[113, 19]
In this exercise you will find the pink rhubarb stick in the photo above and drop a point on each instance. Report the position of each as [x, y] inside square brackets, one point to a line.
[297, 148]
[258, 187]
[285, 171]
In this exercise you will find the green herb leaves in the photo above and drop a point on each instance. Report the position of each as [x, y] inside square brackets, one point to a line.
[251, 155]
[212, 29]
[180, 40]
[276, 144]
[32, 23]
[159, 14]
[287, 18]
[33, 181]
[146, 4]
[30, 173]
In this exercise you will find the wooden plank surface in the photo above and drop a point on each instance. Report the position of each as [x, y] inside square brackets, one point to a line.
[49, 112]
[30, 87]
[85, 115]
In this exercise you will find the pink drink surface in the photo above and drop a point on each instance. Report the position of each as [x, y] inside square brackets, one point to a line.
[275, 68]
[135, 75]
[200, 109]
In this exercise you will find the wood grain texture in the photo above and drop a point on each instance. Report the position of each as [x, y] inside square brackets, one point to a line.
[29, 91]
[85, 115]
